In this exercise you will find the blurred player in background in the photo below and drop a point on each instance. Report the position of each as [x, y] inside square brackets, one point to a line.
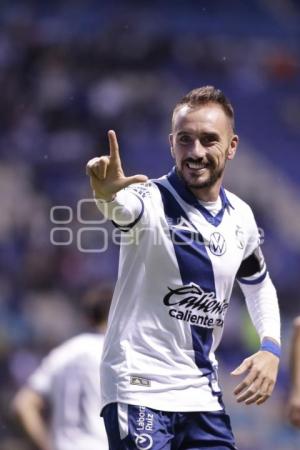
[67, 381]
[294, 398]
[184, 242]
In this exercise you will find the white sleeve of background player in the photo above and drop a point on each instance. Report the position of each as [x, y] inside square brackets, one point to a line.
[124, 211]
[41, 379]
[262, 304]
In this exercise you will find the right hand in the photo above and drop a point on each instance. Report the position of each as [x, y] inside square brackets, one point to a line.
[261, 372]
[106, 173]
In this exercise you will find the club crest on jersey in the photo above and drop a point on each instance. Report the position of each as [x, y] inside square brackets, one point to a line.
[192, 304]
[240, 238]
[217, 244]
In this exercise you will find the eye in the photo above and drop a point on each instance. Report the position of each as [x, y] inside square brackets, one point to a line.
[184, 139]
[208, 139]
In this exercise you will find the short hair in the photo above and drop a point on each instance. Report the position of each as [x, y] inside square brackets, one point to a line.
[203, 96]
[95, 304]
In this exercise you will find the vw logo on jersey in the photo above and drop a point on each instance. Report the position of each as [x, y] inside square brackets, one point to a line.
[143, 441]
[217, 244]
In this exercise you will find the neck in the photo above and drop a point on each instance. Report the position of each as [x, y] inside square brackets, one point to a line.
[209, 194]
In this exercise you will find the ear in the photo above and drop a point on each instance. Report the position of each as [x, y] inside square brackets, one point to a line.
[233, 146]
[171, 144]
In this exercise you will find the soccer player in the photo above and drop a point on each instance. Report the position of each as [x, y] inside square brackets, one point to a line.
[68, 382]
[184, 241]
[294, 398]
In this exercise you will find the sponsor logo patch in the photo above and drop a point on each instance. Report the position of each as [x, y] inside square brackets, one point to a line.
[144, 428]
[139, 381]
[143, 441]
[192, 304]
[142, 189]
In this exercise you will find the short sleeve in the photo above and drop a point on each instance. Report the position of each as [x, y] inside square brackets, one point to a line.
[41, 379]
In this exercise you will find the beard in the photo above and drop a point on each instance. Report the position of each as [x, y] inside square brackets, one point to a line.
[194, 181]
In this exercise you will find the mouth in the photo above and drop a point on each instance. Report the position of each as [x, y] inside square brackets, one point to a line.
[196, 165]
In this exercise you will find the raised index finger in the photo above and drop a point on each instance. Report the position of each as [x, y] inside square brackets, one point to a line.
[113, 145]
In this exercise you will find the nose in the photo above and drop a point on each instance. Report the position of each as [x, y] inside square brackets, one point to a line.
[199, 151]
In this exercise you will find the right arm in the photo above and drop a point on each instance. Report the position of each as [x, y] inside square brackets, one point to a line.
[294, 397]
[108, 181]
[29, 406]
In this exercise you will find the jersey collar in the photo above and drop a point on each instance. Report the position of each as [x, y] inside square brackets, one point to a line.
[180, 187]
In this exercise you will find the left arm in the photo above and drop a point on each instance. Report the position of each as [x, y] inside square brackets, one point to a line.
[261, 368]
[29, 406]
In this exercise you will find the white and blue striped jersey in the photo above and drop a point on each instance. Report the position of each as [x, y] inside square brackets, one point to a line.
[177, 266]
[69, 379]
